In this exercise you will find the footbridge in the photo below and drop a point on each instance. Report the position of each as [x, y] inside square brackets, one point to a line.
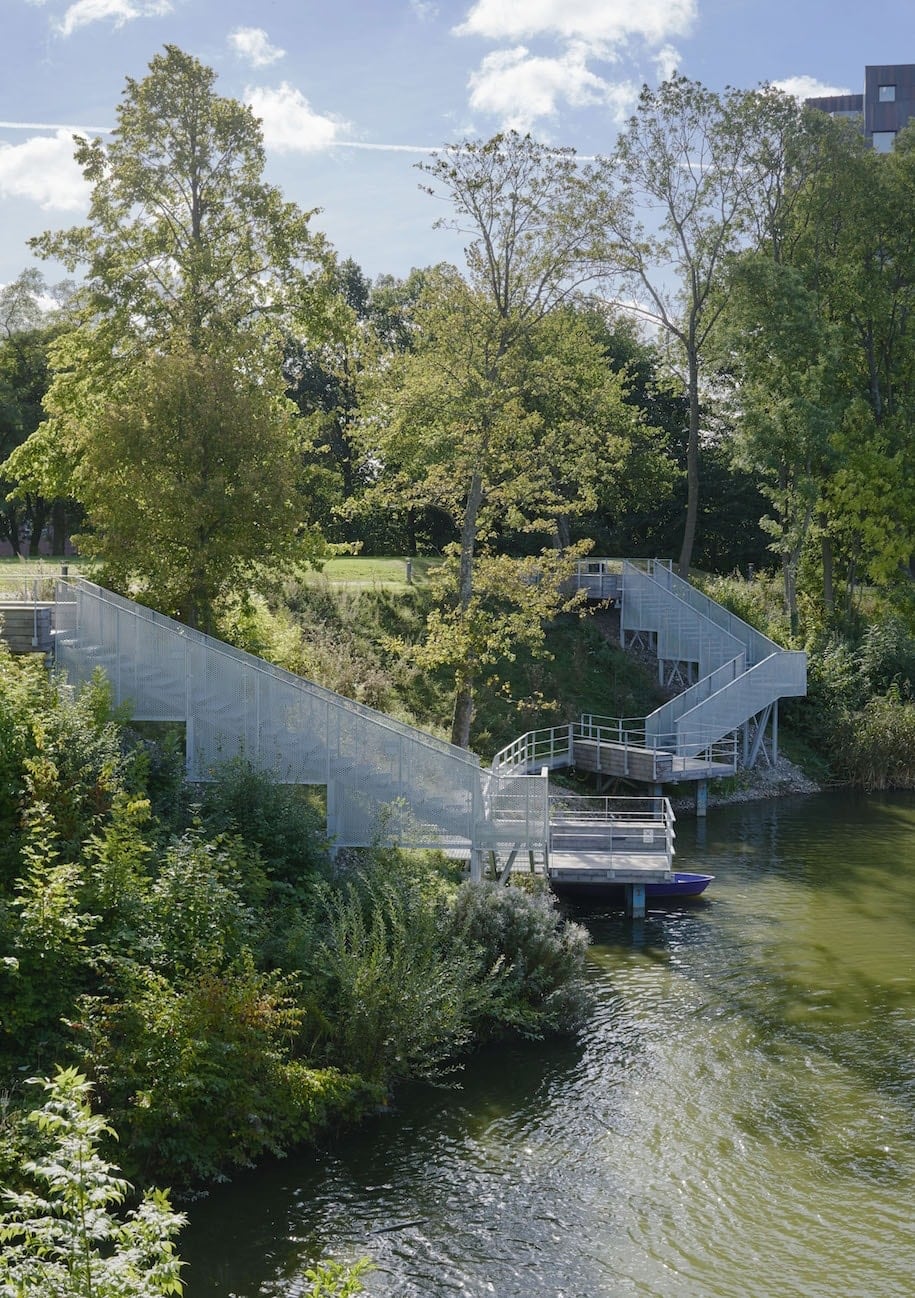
[389, 782]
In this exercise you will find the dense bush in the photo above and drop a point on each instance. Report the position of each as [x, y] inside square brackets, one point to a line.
[196, 956]
[396, 987]
[529, 961]
[887, 657]
[875, 747]
[283, 822]
[62, 1233]
[758, 602]
[201, 1074]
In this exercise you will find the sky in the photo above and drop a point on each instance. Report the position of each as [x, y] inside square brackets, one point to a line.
[353, 93]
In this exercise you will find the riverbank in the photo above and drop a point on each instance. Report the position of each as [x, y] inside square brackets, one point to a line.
[752, 1051]
[783, 779]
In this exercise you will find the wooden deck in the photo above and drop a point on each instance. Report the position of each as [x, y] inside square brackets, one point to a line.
[610, 850]
[621, 867]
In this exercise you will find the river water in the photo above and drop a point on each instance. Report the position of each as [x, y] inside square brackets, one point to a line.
[736, 1118]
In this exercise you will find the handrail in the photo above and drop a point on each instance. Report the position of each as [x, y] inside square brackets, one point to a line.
[261, 666]
[555, 745]
[574, 817]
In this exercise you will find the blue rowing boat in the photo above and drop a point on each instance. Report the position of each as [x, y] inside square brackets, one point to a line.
[684, 886]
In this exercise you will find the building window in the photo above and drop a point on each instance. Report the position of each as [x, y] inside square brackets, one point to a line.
[886, 94]
[883, 141]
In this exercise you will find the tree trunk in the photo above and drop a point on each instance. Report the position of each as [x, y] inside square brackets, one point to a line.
[462, 715]
[463, 698]
[789, 579]
[38, 516]
[59, 528]
[828, 590]
[692, 466]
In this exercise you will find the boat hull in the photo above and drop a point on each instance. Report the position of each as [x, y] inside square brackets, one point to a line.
[684, 886]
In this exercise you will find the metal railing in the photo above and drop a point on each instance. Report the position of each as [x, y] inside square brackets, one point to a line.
[385, 780]
[742, 672]
[611, 825]
[554, 747]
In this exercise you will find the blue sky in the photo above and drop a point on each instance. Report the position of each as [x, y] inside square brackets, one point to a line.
[351, 91]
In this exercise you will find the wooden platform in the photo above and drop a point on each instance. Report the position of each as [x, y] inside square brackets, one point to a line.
[620, 867]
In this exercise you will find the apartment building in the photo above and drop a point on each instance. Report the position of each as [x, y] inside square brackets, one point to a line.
[887, 104]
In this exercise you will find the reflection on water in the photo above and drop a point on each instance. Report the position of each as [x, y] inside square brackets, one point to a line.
[737, 1118]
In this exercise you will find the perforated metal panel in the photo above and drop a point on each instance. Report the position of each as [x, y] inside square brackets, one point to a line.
[385, 781]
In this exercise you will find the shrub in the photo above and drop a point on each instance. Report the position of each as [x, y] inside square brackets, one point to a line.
[47, 935]
[200, 912]
[875, 748]
[887, 657]
[529, 961]
[200, 1076]
[62, 1239]
[395, 986]
[283, 822]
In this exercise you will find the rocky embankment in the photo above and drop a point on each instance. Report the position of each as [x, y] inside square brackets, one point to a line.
[778, 781]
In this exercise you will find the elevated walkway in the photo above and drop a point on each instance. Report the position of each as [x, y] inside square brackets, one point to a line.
[389, 782]
[385, 781]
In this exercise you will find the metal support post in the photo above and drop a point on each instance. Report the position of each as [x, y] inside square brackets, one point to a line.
[701, 799]
[635, 900]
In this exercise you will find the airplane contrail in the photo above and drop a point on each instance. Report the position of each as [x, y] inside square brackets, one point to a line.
[56, 126]
[109, 130]
[335, 144]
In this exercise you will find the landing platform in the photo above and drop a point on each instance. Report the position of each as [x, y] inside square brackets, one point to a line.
[647, 765]
[618, 867]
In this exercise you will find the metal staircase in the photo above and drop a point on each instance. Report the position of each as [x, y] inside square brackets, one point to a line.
[389, 782]
[730, 678]
[734, 675]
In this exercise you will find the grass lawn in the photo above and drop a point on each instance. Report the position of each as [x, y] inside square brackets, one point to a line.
[369, 573]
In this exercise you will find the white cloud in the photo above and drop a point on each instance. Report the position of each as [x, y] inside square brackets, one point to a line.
[809, 87]
[425, 10]
[83, 12]
[666, 62]
[599, 22]
[519, 87]
[290, 124]
[253, 44]
[44, 170]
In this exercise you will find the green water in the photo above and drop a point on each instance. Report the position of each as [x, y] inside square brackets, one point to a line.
[737, 1117]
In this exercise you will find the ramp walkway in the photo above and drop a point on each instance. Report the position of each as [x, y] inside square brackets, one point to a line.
[390, 782]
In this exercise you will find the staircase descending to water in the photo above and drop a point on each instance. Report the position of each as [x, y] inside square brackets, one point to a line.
[389, 782]
[730, 677]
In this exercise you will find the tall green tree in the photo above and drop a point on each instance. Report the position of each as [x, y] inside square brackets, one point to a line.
[460, 435]
[819, 356]
[780, 367]
[187, 254]
[684, 157]
[192, 477]
[29, 320]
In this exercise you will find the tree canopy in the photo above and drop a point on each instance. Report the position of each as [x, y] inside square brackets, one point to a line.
[193, 265]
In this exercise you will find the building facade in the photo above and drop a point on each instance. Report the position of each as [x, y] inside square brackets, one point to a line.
[887, 104]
